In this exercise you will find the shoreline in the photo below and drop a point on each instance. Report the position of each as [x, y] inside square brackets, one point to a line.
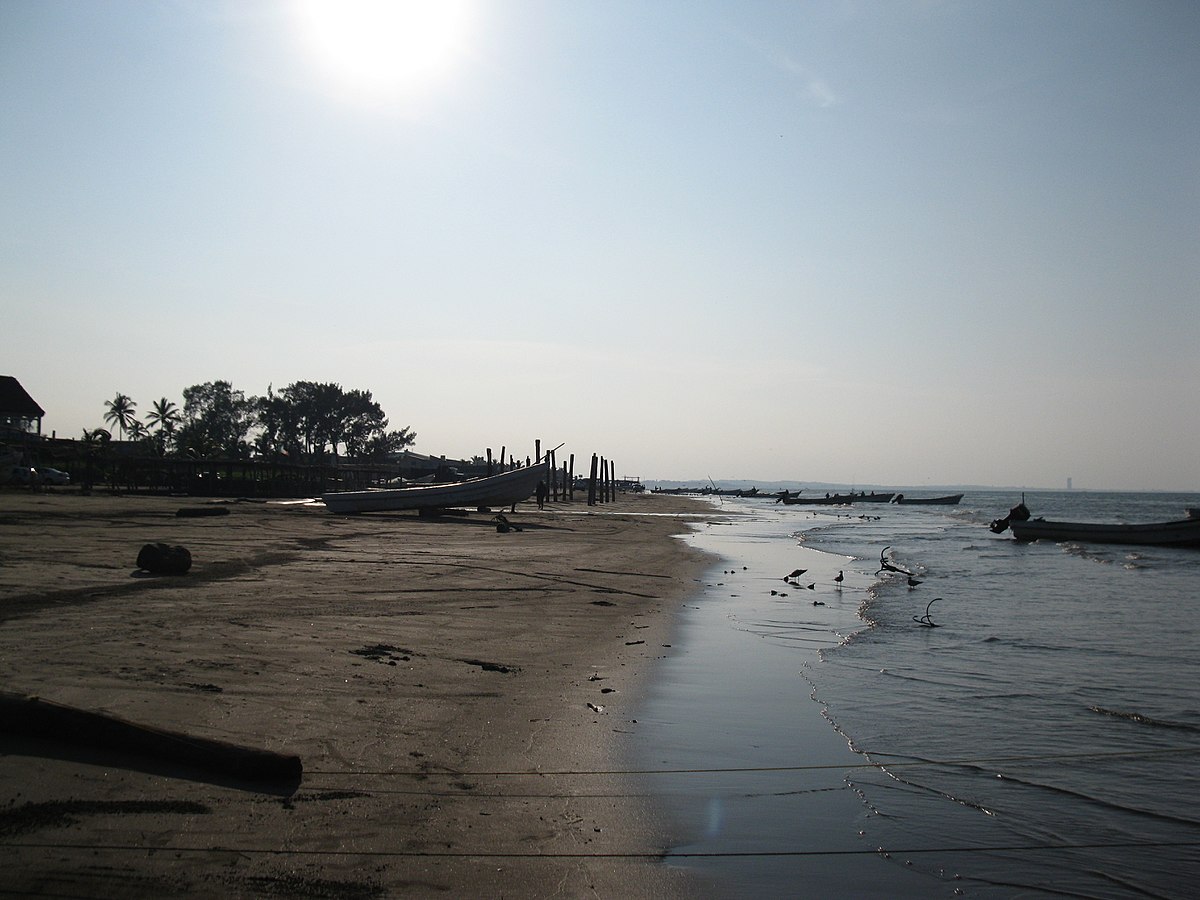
[433, 676]
[753, 767]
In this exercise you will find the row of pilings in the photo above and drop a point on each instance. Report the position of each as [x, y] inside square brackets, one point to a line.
[600, 484]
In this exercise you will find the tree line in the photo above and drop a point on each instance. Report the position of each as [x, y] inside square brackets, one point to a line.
[303, 422]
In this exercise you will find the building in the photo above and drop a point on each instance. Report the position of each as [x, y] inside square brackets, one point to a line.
[19, 413]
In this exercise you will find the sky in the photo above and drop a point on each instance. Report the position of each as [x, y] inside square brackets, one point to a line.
[888, 243]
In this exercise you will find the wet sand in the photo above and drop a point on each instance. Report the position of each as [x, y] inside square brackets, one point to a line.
[460, 699]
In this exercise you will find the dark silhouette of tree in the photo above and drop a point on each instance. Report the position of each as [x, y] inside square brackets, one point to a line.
[387, 442]
[309, 419]
[216, 421]
[95, 455]
[303, 422]
[120, 413]
[164, 417]
[279, 419]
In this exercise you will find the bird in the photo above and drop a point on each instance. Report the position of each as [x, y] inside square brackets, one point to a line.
[839, 578]
[795, 574]
[912, 582]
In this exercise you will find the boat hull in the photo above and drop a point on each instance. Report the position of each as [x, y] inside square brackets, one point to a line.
[837, 499]
[1183, 533]
[504, 489]
[949, 500]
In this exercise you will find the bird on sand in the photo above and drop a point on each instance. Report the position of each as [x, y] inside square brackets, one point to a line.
[795, 574]
[839, 578]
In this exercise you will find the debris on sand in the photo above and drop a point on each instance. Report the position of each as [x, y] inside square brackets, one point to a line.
[163, 559]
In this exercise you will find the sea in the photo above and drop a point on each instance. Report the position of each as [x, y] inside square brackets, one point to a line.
[993, 720]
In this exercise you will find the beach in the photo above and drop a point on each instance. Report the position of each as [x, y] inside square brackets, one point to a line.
[461, 700]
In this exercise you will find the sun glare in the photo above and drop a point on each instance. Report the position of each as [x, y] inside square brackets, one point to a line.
[376, 49]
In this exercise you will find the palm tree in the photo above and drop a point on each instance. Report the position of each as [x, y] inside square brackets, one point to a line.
[120, 413]
[164, 415]
[95, 449]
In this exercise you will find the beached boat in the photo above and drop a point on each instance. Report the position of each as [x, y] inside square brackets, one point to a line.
[1181, 533]
[500, 490]
[948, 500]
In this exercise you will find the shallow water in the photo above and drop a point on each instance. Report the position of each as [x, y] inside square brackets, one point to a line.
[1044, 739]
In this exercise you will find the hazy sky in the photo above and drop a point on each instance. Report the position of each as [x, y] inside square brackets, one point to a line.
[868, 242]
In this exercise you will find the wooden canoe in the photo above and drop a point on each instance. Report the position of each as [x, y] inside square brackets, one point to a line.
[1182, 533]
[838, 499]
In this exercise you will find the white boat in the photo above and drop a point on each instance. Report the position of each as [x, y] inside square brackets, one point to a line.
[500, 490]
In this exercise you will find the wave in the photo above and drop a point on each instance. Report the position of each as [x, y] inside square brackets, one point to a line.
[1144, 720]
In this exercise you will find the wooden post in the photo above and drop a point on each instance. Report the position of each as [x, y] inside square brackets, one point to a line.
[592, 481]
[565, 489]
[603, 480]
[537, 449]
[571, 478]
[553, 479]
[489, 457]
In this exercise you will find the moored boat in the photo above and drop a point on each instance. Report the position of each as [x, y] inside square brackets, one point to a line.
[838, 499]
[1181, 533]
[948, 500]
[500, 490]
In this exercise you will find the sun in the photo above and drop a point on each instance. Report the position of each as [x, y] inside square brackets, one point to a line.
[377, 49]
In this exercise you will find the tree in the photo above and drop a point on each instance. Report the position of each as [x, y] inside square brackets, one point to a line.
[358, 418]
[164, 417]
[95, 451]
[280, 423]
[386, 443]
[120, 413]
[216, 420]
[307, 417]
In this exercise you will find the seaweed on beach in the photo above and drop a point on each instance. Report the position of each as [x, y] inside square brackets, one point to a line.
[384, 653]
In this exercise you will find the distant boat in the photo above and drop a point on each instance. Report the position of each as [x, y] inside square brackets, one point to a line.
[839, 499]
[1181, 533]
[500, 490]
[948, 500]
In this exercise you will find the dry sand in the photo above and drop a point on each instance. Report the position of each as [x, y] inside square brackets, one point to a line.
[435, 677]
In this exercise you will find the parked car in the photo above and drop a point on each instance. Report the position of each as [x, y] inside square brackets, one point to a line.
[21, 475]
[53, 476]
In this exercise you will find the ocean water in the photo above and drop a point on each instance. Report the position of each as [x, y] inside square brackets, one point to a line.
[1042, 740]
